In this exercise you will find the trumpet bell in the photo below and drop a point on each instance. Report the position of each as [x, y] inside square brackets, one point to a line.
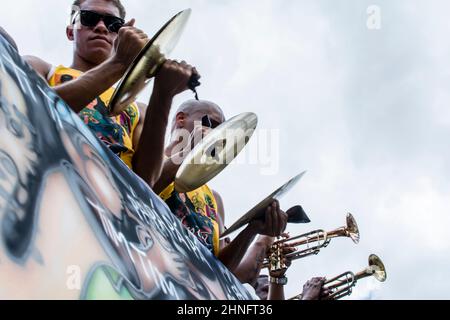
[148, 62]
[217, 150]
[352, 228]
[377, 267]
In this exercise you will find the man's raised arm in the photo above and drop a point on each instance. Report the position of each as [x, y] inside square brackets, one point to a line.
[273, 225]
[83, 90]
[148, 160]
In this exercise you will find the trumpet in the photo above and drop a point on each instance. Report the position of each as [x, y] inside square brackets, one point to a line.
[342, 285]
[314, 242]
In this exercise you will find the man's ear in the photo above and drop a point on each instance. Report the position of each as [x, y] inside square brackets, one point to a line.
[69, 33]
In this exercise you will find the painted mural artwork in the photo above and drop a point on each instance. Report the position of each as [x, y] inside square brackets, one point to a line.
[75, 222]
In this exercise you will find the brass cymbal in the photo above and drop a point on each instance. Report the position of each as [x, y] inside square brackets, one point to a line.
[148, 62]
[215, 152]
[259, 210]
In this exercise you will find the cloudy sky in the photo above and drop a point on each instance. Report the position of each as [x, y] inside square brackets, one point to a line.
[364, 111]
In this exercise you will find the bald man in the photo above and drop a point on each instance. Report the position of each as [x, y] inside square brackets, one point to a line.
[202, 210]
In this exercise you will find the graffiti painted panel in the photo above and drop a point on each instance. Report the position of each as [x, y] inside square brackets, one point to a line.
[75, 223]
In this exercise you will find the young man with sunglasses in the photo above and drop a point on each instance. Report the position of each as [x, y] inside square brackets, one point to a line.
[104, 48]
[202, 210]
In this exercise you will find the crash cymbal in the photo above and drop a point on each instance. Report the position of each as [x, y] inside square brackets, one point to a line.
[259, 210]
[215, 152]
[148, 61]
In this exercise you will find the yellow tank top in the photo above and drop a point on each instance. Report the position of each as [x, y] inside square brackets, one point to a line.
[197, 210]
[116, 132]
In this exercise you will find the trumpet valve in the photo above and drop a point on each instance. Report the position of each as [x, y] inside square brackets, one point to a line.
[276, 259]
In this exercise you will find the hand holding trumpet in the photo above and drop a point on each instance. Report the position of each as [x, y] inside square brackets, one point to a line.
[314, 290]
[281, 254]
[342, 285]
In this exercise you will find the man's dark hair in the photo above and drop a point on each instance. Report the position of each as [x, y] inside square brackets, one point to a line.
[117, 3]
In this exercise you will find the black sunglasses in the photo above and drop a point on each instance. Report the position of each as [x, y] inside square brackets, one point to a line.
[92, 18]
[210, 123]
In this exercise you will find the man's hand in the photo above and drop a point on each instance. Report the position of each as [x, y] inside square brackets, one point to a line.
[130, 41]
[313, 290]
[287, 261]
[274, 223]
[173, 78]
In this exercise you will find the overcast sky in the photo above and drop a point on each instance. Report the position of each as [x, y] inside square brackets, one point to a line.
[365, 111]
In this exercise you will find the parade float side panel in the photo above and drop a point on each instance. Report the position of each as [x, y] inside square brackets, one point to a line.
[75, 222]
